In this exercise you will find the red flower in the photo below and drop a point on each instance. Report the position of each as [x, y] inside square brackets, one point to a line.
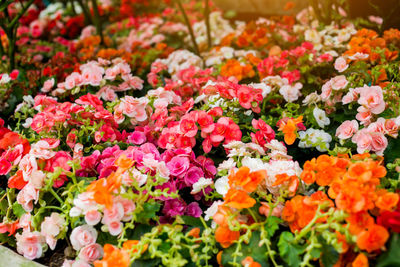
[390, 219]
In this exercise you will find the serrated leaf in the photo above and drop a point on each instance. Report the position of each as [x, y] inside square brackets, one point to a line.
[289, 251]
[272, 225]
[18, 210]
[149, 211]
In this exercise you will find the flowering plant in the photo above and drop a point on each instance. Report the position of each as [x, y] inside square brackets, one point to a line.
[178, 139]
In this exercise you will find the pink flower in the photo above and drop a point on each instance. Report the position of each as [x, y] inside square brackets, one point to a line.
[27, 195]
[363, 115]
[193, 175]
[82, 236]
[347, 129]
[372, 99]
[341, 64]
[178, 165]
[188, 127]
[339, 82]
[266, 130]
[92, 217]
[5, 166]
[90, 253]
[137, 138]
[51, 227]
[115, 213]
[48, 85]
[363, 139]
[379, 143]
[14, 74]
[30, 244]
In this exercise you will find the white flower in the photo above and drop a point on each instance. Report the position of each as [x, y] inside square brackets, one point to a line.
[312, 36]
[291, 92]
[210, 212]
[254, 164]
[222, 185]
[320, 117]
[227, 164]
[200, 184]
[315, 138]
[266, 89]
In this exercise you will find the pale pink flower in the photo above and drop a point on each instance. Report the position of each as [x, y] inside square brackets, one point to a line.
[92, 217]
[379, 143]
[82, 236]
[90, 253]
[291, 92]
[363, 139]
[48, 85]
[115, 213]
[347, 129]
[30, 244]
[51, 228]
[363, 115]
[341, 64]
[372, 99]
[27, 195]
[115, 228]
[339, 82]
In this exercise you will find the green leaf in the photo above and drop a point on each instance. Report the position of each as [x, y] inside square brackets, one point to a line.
[192, 221]
[146, 263]
[272, 225]
[289, 251]
[329, 255]
[149, 211]
[18, 210]
[252, 249]
[391, 257]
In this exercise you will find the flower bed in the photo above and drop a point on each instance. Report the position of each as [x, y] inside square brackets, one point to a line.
[142, 141]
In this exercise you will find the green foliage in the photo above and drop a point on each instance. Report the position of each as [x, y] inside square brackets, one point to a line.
[391, 257]
[289, 250]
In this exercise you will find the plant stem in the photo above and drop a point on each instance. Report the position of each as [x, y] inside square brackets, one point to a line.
[56, 195]
[97, 21]
[193, 38]
[208, 26]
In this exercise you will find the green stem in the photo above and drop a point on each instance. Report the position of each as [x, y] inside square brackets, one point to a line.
[192, 37]
[97, 21]
[56, 195]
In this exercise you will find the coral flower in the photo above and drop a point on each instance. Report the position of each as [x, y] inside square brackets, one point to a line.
[225, 236]
[239, 199]
[246, 180]
[373, 238]
[360, 261]
[249, 262]
[289, 129]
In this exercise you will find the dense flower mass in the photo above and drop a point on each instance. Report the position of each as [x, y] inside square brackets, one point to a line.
[167, 133]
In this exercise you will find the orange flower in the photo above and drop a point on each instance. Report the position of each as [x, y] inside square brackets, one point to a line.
[387, 201]
[103, 188]
[373, 238]
[359, 221]
[249, 262]
[238, 199]
[292, 182]
[113, 257]
[308, 176]
[245, 180]
[289, 129]
[225, 236]
[195, 232]
[360, 261]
